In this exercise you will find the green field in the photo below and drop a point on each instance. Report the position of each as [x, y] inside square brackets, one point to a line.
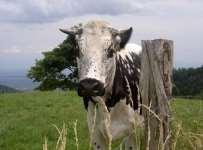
[26, 118]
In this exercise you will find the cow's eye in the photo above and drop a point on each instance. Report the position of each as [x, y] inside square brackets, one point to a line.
[110, 53]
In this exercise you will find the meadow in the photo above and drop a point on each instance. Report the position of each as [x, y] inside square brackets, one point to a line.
[27, 118]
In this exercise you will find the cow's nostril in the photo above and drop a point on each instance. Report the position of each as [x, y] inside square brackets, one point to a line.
[96, 91]
[96, 86]
[90, 87]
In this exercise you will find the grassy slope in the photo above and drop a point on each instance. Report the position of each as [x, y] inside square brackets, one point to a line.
[190, 113]
[26, 118]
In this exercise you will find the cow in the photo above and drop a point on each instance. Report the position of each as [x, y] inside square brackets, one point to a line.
[108, 72]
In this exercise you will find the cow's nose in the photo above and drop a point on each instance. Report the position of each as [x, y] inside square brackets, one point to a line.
[91, 87]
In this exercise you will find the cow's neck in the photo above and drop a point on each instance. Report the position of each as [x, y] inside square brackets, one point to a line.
[118, 89]
[125, 85]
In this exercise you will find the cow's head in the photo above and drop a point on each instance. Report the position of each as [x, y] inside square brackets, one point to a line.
[98, 44]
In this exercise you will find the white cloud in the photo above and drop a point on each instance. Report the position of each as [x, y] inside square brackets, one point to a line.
[41, 11]
[13, 50]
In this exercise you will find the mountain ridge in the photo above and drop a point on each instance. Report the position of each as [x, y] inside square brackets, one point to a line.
[7, 89]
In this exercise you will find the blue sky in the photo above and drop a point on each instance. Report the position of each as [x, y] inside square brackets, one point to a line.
[28, 27]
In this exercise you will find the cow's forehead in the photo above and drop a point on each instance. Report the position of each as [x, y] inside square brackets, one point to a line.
[97, 25]
[96, 31]
[97, 28]
[95, 35]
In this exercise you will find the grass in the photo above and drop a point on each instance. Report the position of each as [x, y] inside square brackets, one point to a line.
[27, 118]
[188, 123]
[190, 113]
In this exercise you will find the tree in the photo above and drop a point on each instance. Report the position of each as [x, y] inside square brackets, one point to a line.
[188, 81]
[58, 67]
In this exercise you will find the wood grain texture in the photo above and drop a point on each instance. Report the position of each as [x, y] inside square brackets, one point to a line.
[156, 90]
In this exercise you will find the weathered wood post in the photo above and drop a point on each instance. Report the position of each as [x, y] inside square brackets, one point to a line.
[156, 90]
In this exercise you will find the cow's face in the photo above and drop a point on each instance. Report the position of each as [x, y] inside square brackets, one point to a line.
[97, 47]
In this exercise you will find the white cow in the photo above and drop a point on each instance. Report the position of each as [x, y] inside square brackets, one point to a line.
[109, 73]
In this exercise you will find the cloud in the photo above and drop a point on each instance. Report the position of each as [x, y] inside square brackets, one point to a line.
[24, 36]
[42, 11]
[12, 50]
[32, 39]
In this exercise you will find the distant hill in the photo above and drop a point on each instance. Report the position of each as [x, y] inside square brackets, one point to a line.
[6, 89]
[17, 80]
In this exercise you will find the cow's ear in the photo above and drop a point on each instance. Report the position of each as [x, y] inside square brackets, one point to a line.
[125, 36]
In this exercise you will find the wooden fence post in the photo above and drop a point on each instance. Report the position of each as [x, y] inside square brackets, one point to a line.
[156, 90]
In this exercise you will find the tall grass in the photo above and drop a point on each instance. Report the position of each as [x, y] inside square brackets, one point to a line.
[176, 136]
[195, 141]
[62, 139]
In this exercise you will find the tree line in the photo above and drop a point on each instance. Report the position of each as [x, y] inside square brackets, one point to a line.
[57, 69]
[188, 81]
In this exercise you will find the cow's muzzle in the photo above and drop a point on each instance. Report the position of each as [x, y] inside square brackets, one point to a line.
[91, 87]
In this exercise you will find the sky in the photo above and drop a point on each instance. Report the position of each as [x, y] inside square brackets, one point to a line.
[29, 27]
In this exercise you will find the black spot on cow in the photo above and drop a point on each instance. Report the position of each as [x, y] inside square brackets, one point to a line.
[120, 89]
